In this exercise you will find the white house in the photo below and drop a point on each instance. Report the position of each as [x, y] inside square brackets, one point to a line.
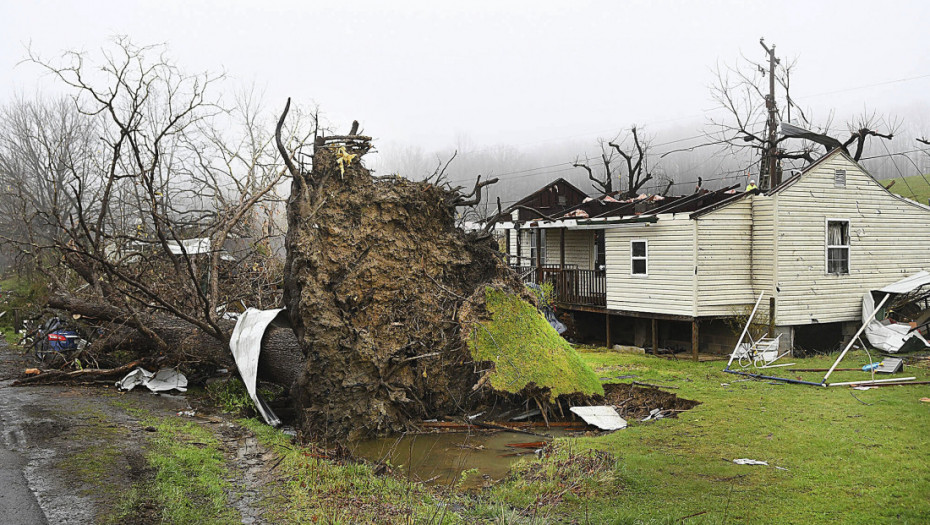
[812, 245]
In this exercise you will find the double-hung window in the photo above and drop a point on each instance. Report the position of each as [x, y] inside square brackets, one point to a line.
[838, 247]
[639, 256]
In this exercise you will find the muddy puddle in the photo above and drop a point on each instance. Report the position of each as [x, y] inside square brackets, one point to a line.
[440, 458]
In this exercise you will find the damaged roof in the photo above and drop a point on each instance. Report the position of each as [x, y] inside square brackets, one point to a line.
[642, 208]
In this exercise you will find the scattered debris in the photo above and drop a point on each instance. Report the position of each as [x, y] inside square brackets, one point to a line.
[164, 380]
[925, 399]
[873, 382]
[655, 413]
[602, 417]
[891, 328]
[890, 365]
[187, 413]
[746, 461]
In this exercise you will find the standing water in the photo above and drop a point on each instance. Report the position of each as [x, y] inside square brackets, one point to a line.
[441, 458]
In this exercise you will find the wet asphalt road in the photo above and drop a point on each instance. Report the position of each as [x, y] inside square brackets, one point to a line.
[18, 502]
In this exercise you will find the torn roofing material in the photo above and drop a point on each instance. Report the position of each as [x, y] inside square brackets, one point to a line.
[892, 337]
[246, 346]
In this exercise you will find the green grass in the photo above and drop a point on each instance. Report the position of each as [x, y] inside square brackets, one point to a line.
[915, 187]
[845, 461]
[189, 476]
[526, 350]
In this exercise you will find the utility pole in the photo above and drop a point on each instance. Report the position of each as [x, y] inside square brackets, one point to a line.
[770, 175]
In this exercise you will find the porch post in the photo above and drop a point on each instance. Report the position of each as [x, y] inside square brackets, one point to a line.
[607, 317]
[519, 247]
[655, 336]
[539, 276]
[562, 249]
[771, 317]
[695, 337]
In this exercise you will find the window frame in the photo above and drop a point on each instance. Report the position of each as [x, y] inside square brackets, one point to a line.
[828, 246]
[644, 258]
[836, 178]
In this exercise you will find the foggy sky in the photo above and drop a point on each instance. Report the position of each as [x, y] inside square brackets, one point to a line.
[528, 75]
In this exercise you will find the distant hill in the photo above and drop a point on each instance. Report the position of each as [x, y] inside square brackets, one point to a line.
[915, 187]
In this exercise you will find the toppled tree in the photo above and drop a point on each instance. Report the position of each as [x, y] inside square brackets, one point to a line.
[376, 279]
[386, 296]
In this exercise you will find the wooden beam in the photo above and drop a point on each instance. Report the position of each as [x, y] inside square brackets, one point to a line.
[655, 336]
[561, 248]
[695, 339]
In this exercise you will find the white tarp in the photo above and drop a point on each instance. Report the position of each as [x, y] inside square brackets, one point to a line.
[602, 417]
[162, 381]
[246, 346]
[891, 337]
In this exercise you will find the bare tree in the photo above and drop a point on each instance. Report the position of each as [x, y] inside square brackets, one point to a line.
[143, 182]
[742, 92]
[634, 169]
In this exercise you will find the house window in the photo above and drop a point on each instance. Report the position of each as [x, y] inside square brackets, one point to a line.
[838, 247]
[534, 247]
[839, 178]
[638, 257]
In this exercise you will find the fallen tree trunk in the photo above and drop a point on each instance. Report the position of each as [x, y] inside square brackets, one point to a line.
[280, 363]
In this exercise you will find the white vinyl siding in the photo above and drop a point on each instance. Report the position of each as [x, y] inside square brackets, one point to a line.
[579, 248]
[668, 289]
[887, 242]
[725, 251]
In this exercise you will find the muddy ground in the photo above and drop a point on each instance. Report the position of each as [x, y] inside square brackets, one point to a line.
[69, 452]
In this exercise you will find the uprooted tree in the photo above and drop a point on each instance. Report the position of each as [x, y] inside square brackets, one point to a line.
[396, 309]
[397, 314]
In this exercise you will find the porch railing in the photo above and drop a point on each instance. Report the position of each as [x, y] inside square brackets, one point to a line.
[572, 286]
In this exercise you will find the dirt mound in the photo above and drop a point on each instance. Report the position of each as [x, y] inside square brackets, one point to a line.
[633, 401]
[375, 281]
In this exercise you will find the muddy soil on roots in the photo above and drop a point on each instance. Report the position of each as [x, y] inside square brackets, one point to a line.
[375, 276]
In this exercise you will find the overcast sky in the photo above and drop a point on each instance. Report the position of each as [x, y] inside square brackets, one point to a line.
[518, 73]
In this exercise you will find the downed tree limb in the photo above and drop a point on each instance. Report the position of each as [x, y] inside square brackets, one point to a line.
[59, 376]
